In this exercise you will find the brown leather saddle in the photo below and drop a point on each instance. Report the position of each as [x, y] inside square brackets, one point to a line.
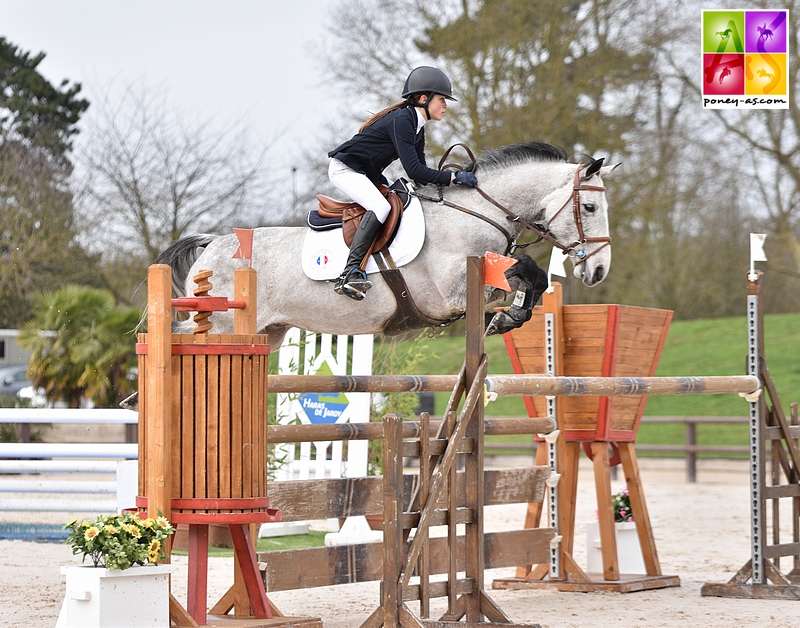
[331, 214]
[351, 213]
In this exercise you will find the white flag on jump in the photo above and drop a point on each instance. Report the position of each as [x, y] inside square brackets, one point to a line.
[756, 252]
[757, 248]
[556, 266]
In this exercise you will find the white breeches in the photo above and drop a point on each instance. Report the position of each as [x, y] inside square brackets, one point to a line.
[358, 188]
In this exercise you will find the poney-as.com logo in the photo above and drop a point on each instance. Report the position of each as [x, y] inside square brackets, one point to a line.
[745, 59]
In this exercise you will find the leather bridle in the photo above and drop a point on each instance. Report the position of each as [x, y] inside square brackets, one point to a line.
[573, 250]
[577, 188]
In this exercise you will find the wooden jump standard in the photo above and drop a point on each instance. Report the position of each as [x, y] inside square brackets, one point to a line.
[592, 340]
[203, 439]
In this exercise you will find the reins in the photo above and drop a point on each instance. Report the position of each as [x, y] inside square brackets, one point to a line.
[543, 231]
[443, 201]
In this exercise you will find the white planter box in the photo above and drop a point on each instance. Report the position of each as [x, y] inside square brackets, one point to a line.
[629, 553]
[116, 598]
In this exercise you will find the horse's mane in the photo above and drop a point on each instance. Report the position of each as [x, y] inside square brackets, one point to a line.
[520, 153]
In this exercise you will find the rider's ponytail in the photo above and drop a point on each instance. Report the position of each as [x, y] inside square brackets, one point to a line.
[377, 116]
[411, 100]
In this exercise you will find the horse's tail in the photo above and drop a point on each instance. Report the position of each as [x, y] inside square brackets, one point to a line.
[180, 255]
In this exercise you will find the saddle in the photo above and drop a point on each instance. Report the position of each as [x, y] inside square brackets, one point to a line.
[333, 214]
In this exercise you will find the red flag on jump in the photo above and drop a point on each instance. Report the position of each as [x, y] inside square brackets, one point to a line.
[245, 249]
[496, 266]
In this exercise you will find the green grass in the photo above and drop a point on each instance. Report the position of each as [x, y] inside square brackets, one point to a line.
[296, 541]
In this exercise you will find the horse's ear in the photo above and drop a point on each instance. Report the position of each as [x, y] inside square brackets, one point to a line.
[607, 170]
[593, 167]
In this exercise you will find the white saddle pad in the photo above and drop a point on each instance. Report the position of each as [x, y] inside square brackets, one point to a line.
[325, 253]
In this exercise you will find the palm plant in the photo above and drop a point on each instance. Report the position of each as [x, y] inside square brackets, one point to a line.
[81, 346]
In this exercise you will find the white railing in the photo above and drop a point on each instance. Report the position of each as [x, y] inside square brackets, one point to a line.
[25, 460]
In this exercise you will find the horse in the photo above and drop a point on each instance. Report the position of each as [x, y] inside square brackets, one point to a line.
[529, 185]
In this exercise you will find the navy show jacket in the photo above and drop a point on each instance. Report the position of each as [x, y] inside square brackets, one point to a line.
[393, 136]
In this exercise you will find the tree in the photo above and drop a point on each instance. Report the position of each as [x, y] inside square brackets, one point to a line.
[38, 245]
[82, 346]
[154, 174]
[38, 237]
[566, 73]
[32, 111]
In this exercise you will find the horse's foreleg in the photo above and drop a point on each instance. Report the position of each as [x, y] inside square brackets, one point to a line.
[529, 281]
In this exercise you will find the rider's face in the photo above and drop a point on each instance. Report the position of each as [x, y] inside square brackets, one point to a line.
[437, 107]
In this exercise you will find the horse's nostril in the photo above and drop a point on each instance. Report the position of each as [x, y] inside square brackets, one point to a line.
[598, 274]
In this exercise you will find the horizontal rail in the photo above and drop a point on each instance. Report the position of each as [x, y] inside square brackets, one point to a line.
[57, 505]
[695, 419]
[69, 450]
[58, 466]
[520, 385]
[411, 429]
[68, 415]
[688, 450]
[709, 449]
[57, 486]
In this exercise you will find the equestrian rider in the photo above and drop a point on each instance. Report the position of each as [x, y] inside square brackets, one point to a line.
[356, 167]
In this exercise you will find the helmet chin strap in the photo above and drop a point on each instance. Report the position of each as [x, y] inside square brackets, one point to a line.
[423, 105]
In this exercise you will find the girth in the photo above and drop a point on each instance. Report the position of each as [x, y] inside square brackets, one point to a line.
[407, 316]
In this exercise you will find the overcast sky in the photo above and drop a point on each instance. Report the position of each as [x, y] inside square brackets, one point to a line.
[231, 59]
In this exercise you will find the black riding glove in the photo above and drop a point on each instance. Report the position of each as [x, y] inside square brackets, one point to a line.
[466, 178]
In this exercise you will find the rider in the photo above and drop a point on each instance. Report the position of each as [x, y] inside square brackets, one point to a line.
[356, 167]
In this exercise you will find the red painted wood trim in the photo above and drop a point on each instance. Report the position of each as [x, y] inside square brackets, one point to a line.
[197, 586]
[212, 349]
[622, 436]
[609, 367]
[211, 503]
[219, 503]
[206, 304]
[222, 506]
[580, 435]
[251, 575]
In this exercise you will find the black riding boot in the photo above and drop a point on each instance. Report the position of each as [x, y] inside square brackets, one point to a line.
[353, 281]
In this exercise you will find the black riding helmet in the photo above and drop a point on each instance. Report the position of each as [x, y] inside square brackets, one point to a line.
[429, 81]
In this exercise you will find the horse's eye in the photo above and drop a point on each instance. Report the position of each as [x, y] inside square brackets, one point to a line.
[590, 207]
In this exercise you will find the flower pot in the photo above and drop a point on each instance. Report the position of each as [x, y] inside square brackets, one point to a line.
[97, 597]
[629, 552]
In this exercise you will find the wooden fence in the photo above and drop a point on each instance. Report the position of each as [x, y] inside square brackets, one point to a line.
[687, 450]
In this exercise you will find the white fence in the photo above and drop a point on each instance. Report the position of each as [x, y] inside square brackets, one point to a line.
[20, 463]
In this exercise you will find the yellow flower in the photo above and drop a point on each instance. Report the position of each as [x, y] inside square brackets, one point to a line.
[148, 523]
[154, 551]
[72, 523]
[163, 522]
[83, 524]
[91, 533]
[135, 532]
[110, 529]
